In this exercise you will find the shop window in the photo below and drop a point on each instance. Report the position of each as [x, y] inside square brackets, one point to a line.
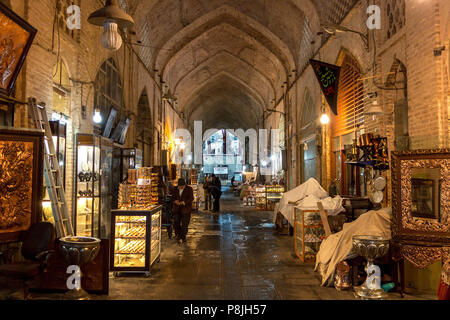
[62, 17]
[398, 79]
[308, 147]
[395, 17]
[108, 89]
[350, 108]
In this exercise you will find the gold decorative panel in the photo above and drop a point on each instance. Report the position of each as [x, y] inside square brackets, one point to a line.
[16, 171]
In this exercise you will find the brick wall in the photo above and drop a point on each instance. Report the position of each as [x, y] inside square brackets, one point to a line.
[83, 60]
[427, 27]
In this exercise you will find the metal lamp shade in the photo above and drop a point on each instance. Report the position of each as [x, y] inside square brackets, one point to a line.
[374, 110]
[112, 11]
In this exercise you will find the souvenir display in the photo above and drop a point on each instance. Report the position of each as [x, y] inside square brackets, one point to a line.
[260, 198]
[308, 232]
[93, 186]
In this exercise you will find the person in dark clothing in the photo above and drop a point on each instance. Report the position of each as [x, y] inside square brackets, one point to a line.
[183, 196]
[216, 192]
[206, 187]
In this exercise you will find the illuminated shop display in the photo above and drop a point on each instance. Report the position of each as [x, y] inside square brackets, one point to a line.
[136, 239]
[93, 187]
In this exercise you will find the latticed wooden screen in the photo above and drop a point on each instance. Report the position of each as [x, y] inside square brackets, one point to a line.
[395, 14]
[350, 105]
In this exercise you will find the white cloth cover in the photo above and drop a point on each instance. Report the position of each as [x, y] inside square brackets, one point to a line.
[313, 192]
[338, 246]
[332, 205]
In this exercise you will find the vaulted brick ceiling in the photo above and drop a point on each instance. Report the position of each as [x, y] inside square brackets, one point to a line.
[226, 60]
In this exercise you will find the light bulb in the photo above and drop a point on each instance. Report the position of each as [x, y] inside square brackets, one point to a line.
[264, 163]
[97, 118]
[324, 119]
[111, 38]
[182, 146]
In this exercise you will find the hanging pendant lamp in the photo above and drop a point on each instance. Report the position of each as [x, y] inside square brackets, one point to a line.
[111, 17]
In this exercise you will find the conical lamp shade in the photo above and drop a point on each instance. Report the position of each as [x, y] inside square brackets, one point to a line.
[374, 110]
[112, 11]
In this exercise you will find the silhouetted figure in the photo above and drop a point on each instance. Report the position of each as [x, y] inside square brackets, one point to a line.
[182, 197]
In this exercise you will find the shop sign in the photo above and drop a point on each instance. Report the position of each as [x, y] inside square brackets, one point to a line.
[328, 76]
[16, 37]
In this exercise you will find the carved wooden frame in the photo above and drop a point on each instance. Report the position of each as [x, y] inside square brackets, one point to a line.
[31, 31]
[411, 230]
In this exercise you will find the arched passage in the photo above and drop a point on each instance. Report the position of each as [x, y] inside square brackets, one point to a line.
[144, 130]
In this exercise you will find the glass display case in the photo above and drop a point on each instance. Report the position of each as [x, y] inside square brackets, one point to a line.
[59, 130]
[136, 240]
[308, 234]
[93, 188]
[274, 194]
[195, 203]
[260, 198]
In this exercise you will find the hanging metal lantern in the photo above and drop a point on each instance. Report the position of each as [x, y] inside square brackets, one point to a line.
[111, 17]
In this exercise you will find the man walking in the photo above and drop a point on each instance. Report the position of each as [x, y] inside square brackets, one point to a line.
[207, 194]
[216, 192]
[183, 196]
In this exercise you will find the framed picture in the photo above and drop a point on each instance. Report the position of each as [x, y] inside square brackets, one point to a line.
[16, 37]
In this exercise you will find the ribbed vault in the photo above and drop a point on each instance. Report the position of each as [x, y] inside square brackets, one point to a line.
[226, 60]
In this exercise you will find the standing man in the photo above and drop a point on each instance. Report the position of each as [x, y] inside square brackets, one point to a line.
[182, 208]
[207, 194]
[216, 192]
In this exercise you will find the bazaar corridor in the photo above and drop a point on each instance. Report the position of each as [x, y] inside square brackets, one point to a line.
[233, 255]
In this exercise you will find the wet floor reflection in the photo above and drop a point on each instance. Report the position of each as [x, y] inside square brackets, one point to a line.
[232, 255]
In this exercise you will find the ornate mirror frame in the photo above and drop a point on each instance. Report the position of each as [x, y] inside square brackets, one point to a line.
[407, 229]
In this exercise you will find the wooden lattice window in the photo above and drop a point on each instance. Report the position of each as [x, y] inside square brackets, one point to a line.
[306, 50]
[395, 16]
[350, 104]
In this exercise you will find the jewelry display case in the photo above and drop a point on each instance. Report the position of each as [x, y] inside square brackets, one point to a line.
[135, 239]
[59, 131]
[21, 175]
[260, 198]
[308, 234]
[93, 186]
[194, 186]
[195, 203]
[274, 194]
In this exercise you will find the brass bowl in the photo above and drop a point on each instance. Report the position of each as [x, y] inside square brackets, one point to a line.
[370, 247]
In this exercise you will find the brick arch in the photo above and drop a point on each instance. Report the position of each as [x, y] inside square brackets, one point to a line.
[229, 78]
[224, 98]
[232, 16]
[234, 60]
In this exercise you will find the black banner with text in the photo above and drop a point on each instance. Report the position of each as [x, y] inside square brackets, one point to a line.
[328, 76]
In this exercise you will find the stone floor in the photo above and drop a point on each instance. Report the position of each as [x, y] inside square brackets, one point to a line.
[234, 255]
